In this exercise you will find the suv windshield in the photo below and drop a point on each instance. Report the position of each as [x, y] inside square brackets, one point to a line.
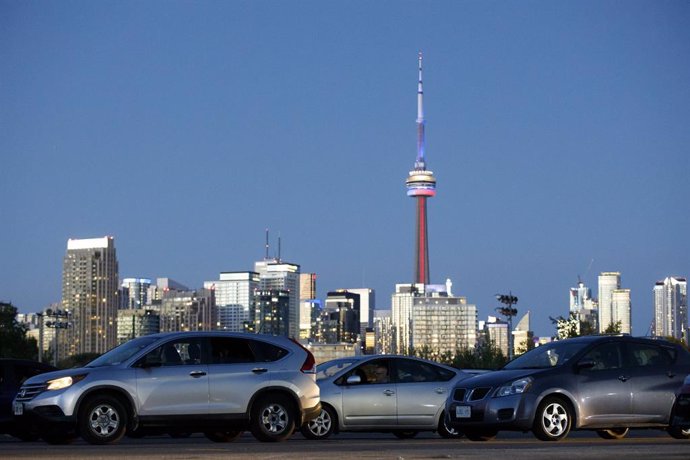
[123, 352]
[545, 356]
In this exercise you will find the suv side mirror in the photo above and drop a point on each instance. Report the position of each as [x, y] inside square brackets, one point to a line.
[150, 360]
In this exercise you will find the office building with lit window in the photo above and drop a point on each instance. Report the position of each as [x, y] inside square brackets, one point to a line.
[234, 295]
[671, 308]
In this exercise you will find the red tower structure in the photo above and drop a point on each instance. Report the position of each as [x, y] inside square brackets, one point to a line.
[421, 185]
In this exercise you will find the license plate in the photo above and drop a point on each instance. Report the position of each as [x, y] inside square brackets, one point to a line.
[463, 412]
[18, 408]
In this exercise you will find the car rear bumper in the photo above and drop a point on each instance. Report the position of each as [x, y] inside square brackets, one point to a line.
[311, 412]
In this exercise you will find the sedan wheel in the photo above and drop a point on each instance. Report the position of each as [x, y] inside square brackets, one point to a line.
[613, 433]
[447, 432]
[552, 421]
[322, 426]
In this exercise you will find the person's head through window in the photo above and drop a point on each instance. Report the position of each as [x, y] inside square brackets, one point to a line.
[381, 373]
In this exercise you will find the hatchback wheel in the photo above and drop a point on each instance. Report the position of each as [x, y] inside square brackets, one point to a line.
[446, 431]
[552, 421]
[222, 436]
[102, 420]
[613, 433]
[679, 433]
[322, 426]
[273, 418]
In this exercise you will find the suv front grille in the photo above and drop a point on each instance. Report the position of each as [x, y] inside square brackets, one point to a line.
[29, 392]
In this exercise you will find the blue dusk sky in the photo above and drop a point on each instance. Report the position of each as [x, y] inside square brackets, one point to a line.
[558, 132]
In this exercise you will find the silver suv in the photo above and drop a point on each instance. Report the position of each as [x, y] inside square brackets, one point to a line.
[216, 382]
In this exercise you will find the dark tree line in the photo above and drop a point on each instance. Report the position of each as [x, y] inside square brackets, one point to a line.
[13, 340]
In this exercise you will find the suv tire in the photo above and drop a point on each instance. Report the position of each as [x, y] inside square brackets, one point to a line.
[273, 418]
[102, 420]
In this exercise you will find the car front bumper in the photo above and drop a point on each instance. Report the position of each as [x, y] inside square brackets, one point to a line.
[515, 413]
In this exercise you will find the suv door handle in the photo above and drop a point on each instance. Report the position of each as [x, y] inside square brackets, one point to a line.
[623, 378]
[197, 374]
[389, 392]
[259, 370]
[440, 390]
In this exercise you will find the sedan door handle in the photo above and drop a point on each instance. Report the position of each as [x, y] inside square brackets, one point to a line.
[259, 370]
[389, 392]
[623, 378]
[197, 374]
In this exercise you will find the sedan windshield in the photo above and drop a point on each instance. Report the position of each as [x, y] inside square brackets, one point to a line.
[329, 368]
[123, 352]
[545, 356]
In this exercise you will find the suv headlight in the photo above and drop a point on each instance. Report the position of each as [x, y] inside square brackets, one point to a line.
[515, 388]
[64, 382]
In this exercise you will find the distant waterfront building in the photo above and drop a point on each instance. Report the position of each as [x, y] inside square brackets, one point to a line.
[367, 305]
[523, 337]
[383, 332]
[272, 312]
[234, 295]
[584, 307]
[89, 293]
[134, 293]
[276, 275]
[193, 310]
[426, 316]
[136, 322]
[307, 301]
[671, 308]
[614, 302]
[340, 318]
[497, 331]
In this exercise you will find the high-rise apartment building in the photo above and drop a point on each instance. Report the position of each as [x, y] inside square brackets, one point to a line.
[384, 332]
[134, 293]
[340, 318]
[497, 332]
[584, 307]
[90, 295]
[426, 316]
[614, 303]
[235, 300]
[276, 275]
[671, 308]
[307, 303]
[136, 322]
[188, 311]
[367, 305]
[272, 312]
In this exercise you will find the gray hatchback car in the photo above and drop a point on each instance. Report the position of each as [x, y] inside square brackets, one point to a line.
[604, 383]
[385, 393]
[216, 382]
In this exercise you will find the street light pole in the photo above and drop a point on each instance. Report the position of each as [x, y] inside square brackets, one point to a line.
[508, 311]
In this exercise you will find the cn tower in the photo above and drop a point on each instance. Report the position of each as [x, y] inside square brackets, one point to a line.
[421, 185]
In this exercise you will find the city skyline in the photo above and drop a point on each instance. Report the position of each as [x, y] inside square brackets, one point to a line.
[558, 134]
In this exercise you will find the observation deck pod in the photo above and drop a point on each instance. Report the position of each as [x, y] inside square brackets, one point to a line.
[421, 183]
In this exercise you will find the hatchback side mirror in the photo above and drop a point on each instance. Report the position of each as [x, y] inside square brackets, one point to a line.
[354, 380]
[585, 364]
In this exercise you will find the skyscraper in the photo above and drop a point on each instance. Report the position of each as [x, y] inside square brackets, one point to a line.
[276, 275]
[234, 294]
[89, 294]
[671, 307]
[608, 282]
[421, 185]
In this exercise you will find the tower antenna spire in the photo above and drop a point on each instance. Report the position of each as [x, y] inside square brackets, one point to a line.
[420, 163]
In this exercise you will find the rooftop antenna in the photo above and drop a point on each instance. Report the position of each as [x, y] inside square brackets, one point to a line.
[266, 256]
[279, 247]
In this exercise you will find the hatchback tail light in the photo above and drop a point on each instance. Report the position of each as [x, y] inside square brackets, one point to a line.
[309, 365]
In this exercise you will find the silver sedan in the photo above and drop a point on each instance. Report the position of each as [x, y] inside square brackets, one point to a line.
[383, 393]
